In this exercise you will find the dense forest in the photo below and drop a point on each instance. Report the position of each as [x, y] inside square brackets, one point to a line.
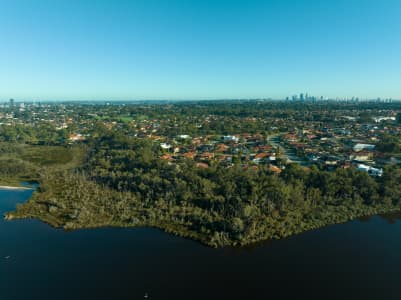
[117, 180]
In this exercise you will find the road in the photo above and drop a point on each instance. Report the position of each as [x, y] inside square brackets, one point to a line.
[285, 153]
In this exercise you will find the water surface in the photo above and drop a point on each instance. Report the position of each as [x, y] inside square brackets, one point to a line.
[357, 260]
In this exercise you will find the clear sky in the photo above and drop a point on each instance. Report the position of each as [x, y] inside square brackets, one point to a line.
[198, 49]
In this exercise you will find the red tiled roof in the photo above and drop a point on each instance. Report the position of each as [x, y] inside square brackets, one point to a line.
[202, 165]
[189, 155]
[261, 155]
[275, 169]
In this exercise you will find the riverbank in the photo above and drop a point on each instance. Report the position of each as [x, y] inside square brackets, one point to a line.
[72, 201]
[14, 188]
[269, 229]
[332, 253]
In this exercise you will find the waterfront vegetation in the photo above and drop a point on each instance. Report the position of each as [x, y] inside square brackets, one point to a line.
[117, 178]
[121, 182]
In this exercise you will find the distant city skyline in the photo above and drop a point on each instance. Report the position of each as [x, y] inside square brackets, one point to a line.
[199, 50]
[295, 97]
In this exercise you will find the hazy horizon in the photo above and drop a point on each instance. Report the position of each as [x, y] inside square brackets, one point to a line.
[338, 99]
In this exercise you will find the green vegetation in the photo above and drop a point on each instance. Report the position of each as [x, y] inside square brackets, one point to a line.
[21, 162]
[104, 165]
[389, 144]
[44, 155]
[122, 182]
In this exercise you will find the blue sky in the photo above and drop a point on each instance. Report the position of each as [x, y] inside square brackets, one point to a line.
[198, 49]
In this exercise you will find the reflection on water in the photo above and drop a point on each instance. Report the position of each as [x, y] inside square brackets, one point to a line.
[357, 260]
[392, 218]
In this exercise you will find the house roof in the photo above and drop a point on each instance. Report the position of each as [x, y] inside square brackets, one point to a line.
[202, 165]
[275, 169]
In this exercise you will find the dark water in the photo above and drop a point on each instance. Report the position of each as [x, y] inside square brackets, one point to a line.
[357, 260]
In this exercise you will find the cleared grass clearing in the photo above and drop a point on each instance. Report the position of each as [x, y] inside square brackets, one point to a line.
[24, 164]
[47, 155]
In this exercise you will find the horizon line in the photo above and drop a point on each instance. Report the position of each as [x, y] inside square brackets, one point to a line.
[315, 99]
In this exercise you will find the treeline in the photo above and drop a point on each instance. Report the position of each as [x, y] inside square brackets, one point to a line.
[320, 111]
[123, 183]
[41, 134]
[12, 168]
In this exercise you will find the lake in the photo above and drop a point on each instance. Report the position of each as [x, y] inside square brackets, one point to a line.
[356, 260]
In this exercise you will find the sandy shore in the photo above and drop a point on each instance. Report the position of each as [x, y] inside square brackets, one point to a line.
[5, 187]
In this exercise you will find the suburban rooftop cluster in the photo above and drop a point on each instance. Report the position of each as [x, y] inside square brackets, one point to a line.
[327, 134]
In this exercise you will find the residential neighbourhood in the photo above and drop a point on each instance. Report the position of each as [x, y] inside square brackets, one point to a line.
[363, 137]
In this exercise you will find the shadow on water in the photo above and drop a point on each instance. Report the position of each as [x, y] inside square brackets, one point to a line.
[30, 184]
[392, 218]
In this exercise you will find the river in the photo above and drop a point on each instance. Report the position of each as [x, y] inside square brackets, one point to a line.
[356, 260]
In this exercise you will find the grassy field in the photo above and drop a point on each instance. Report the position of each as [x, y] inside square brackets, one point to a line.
[24, 164]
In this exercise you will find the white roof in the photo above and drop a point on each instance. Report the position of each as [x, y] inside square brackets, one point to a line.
[359, 147]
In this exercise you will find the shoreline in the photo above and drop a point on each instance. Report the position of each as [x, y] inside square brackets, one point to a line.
[203, 239]
[13, 188]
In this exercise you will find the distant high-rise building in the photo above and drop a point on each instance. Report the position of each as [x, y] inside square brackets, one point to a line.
[301, 97]
[11, 102]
